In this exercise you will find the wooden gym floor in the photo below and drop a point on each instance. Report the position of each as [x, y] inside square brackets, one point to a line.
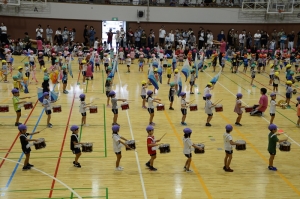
[55, 177]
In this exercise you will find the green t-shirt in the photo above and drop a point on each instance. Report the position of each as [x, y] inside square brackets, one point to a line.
[272, 142]
[15, 101]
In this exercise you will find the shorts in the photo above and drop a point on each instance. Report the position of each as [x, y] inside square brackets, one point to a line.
[160, 59]
[183, 111]
[26, 150]
[42, 63]
[272, 114]
[153, 154]
[288, 95]
[84, 73]
[271, 76]
[171, 98]
[76, 151]
[229, 152]
[107, 93]
[65, 81]
[115, 111]
[18, 111]
[118, 153]
[161, 40]
[260, 65]
[275, 85]
[48, 112]
[214, 64]
[165, 65]
[143, 96]
[106, 64]
[188, 155]
[210, 114]
[168, 76]
[272, 153]
[204, 98]
[128, 65]
[252, 76]
[31, 63]
[83, 114]
[245, 65]
[192, 83]
[97, 64]
[27, 74]
[151, 110]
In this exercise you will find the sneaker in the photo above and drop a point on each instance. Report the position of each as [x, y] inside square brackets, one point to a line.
[108, 105]
[17, 124]
[30, 165]
[25, 168]
[119, 169]
[224, 168]
[148, 164]
[238, 124]
[184, 168]
[272, 168]
[144, 107]
[152, 123]
[77, 165]
[191, 93]
[183, 123]
[228, 170]
[189, 171]
[207, 124]
[49, 126]
[171, 108]
[153, 169]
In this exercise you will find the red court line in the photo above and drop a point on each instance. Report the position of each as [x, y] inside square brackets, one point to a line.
[62, 145]
[12, 145]
[266, 87]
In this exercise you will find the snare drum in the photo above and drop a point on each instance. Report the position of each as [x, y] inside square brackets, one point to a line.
[4, 108]
[40, 144]
[28, 105]
[193, 107]
[160, 107]
[131, 144]
[219, 108]
[124, 106]
[197, 151]
[248, 109]
[93, 109]
[241, 145]
[164, 148]
[56, 109]
[285, 146]
[87, 147]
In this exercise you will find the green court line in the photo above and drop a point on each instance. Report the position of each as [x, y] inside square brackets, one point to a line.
[61, 157]
[102, 82]
[80, 133]
[76, 197]
[87, 83]
[24, 190]
[104, 116]
[38, 152]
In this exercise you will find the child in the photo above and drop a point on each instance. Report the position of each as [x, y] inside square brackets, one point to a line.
[260, 62]
[165, 63]
[65, 79]
[207, 90]
[114, 107]
[228, 148]
[271, 75]
[27, 69]
[174, 62]
[20, 76]
[151, 146]
[234, 64]
[117, 144]
[47, 105]
[289, 91]
[238, 109]
[41, 60]
[75, 145]
[214, 61]
[297, 63]
[15, 82]
[208, 109]
[298, 111]
[176, 78]
[25, 145]
[106, 61]
[108, 85]
[156, 76]
[80, 59]
[84, 68]
[150, 101]
[192, 80]
[272, 137]
[82, 109]
[187, 148]
[245, 60]
[31, 59]
[97, 63]
[276, 81]
[4, 71]
[121, 56]
[171, 95]
[273, 107]
[128, 63]
[17, 104]
[252, 74]
[169, 73]
[141, 63]
[143, 94]
[183, 107]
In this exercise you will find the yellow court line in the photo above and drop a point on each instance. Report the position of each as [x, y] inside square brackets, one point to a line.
[193, 165]
[262, 156]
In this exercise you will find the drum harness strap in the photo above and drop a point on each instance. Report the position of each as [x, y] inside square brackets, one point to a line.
[77, 145]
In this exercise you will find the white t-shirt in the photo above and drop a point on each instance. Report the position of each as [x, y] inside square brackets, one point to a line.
[82, 107]
[227, 137]
[31, 58]
[206, 91]
[162, 33]
[276, 80]
[150, 102]
[272, 71]
[208, 109]
[257, 36]
[183, 102]
[143, 91]
[3, 29]
[96, 44]
[47, 104]
[39, 32]
[84, 67]
[272, 106]
[171, 36]
[187, 148]
[116, 143]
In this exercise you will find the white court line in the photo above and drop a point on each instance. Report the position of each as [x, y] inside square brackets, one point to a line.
[246, 103]
[132, 137]
[54, 178]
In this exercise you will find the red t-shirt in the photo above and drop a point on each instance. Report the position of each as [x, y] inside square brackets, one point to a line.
[223, 47]
[150, 140]
[39, 44]
[264, 102]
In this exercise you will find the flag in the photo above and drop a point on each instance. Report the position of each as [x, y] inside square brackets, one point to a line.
[152, 78]
[53, 95]
[159, 71]
[70, 67]
[186, 69]
[114, 69]
[216, 77]
[179, 83]
[196, 65]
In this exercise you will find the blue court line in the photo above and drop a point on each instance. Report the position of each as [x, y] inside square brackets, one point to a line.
[21, 156]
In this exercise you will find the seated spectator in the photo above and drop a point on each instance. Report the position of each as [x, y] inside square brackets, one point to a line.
[172, 3]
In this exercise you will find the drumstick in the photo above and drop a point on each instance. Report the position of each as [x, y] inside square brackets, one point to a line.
[162, 136]
[43, 129]
[218, 101]
[191, 101]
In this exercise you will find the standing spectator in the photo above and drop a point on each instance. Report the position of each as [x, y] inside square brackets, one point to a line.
[49, 33]
[3, 37]
[249, 40]
[143, 39]
[27, 41]
[177, 37]
[72, 34]
[58, 36]
[150, 40]
[137, 38]
[86, 35]
[129, 37]
[257, 37]
[201, 39]
[221, 36]
[39, 31]
[298, 39]
[109, 37]
[210, 38]
[172, 37]
[264, 39]
[230, 37]
[291, 38]
[117, 37]
[242, 38]
[274, 36]
[122, 38]
[236, 39]
[162, 35]
[65, 35]
[282, 40]
[92, 34]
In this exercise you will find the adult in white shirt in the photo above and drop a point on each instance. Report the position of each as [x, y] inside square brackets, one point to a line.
[162, 35]
[49, 33]
[3, 37]
[242, 37]
[171, 36]
[183, 42]
[210, 39]
[39, 31]
[257, 37]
